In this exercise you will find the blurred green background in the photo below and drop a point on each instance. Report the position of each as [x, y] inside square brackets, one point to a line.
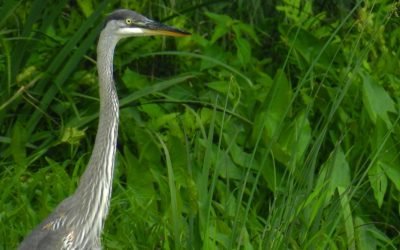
[274, 126]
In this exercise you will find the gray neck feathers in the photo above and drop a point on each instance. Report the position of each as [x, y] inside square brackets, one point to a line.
[95, 186]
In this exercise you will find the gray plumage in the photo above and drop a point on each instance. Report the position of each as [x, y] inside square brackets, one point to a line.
[78, 221]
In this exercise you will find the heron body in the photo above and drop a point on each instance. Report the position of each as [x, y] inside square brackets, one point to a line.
[78, 221]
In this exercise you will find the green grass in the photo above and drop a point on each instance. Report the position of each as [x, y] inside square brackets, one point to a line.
[274, 126]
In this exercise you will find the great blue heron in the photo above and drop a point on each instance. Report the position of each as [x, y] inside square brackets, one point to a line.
[78, 221]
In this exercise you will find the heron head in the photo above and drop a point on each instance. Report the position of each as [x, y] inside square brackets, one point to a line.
[127, 23]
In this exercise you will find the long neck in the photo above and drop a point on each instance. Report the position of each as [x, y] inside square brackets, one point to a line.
[96, 183]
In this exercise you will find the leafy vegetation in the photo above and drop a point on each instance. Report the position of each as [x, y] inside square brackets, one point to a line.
[274, 126]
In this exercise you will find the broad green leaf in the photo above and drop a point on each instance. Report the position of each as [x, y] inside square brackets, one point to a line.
[247, 29]
[278, 103]
[347, 216]
[272, 175]
[141, 185]
[335, 173]
[220, 86]
[340, 176]
[238, 156]
[72, 135]
[313, 204]
[376, 100]
[387, 156]
[166, 120]
[295, 138]
[151, 89]
[227, 168]
[312, 49]
[133, 80]
[393, 173]
[378, 181]
[364, 239]
[243, 50]
[272, 112]
[369, 236]
[219, 19]
[223, 23]
[214, 52]
[154, 111]
[86, 7]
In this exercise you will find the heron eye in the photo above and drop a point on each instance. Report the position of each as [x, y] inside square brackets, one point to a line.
[128, 21]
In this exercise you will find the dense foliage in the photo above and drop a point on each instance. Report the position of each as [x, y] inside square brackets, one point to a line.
[274, 126]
